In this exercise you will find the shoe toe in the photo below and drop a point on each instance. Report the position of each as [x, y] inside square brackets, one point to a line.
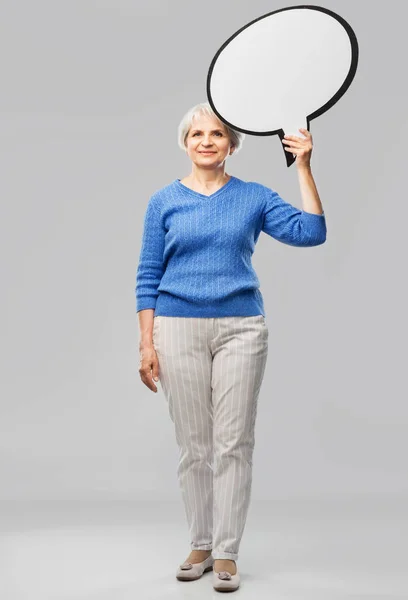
[190, 571]
[224, 581]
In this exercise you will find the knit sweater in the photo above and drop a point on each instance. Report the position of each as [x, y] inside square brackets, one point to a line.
[195, 256]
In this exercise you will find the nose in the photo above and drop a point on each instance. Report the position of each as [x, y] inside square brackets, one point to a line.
[207, 141]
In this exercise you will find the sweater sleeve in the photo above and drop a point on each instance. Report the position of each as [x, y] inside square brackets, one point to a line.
[150, 268]
[291, 225]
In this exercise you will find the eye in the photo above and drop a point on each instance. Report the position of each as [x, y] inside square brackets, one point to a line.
[217, 133]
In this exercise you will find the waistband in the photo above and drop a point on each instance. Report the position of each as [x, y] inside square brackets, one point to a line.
[247, 303]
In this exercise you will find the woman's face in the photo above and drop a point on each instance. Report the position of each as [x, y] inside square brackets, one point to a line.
[208, 134]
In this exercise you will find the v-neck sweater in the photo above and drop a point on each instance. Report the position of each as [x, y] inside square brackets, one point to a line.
[195, 254]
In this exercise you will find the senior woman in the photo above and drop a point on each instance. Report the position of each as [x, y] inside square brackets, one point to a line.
[203, 328]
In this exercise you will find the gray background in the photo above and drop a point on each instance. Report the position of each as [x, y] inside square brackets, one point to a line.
[91, 97]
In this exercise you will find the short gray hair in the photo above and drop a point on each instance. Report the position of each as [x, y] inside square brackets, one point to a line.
[236, 137]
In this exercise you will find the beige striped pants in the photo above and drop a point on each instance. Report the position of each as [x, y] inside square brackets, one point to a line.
[211, 371]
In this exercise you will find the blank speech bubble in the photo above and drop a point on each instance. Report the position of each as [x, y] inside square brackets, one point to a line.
[280, 71]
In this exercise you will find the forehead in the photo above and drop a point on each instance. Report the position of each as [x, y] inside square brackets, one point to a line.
[206, 122]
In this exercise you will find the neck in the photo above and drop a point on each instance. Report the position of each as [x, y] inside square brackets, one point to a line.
[206, 177]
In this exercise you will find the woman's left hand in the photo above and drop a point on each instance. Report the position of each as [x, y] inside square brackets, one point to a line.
[302, 147]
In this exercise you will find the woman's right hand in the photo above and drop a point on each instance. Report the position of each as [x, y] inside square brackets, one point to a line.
[148, 366]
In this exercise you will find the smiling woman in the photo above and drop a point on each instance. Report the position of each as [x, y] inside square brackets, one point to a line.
[203, 329]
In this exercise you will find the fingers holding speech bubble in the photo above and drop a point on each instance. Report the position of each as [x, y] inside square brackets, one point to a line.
[280, 71]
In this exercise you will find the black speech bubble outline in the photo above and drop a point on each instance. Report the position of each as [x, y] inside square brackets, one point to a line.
[290, 159]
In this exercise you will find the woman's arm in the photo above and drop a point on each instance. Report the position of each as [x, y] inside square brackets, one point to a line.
[303, 148]
[146, 317]
[310, 196]
[149, 363]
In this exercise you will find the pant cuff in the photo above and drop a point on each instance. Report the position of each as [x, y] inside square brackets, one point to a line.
[224, 555]
[201, 546]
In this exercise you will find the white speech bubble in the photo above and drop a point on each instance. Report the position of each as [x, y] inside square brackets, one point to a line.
[280, 71]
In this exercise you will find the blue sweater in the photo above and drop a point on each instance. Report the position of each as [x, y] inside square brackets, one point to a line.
[195, 257]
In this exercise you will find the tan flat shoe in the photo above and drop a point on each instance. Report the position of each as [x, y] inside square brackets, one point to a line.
[189, 571]
[225, 582]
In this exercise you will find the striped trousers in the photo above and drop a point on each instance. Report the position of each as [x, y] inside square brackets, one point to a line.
[211, 371]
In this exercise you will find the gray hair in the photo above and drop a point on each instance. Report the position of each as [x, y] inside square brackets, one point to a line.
[236, 137]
